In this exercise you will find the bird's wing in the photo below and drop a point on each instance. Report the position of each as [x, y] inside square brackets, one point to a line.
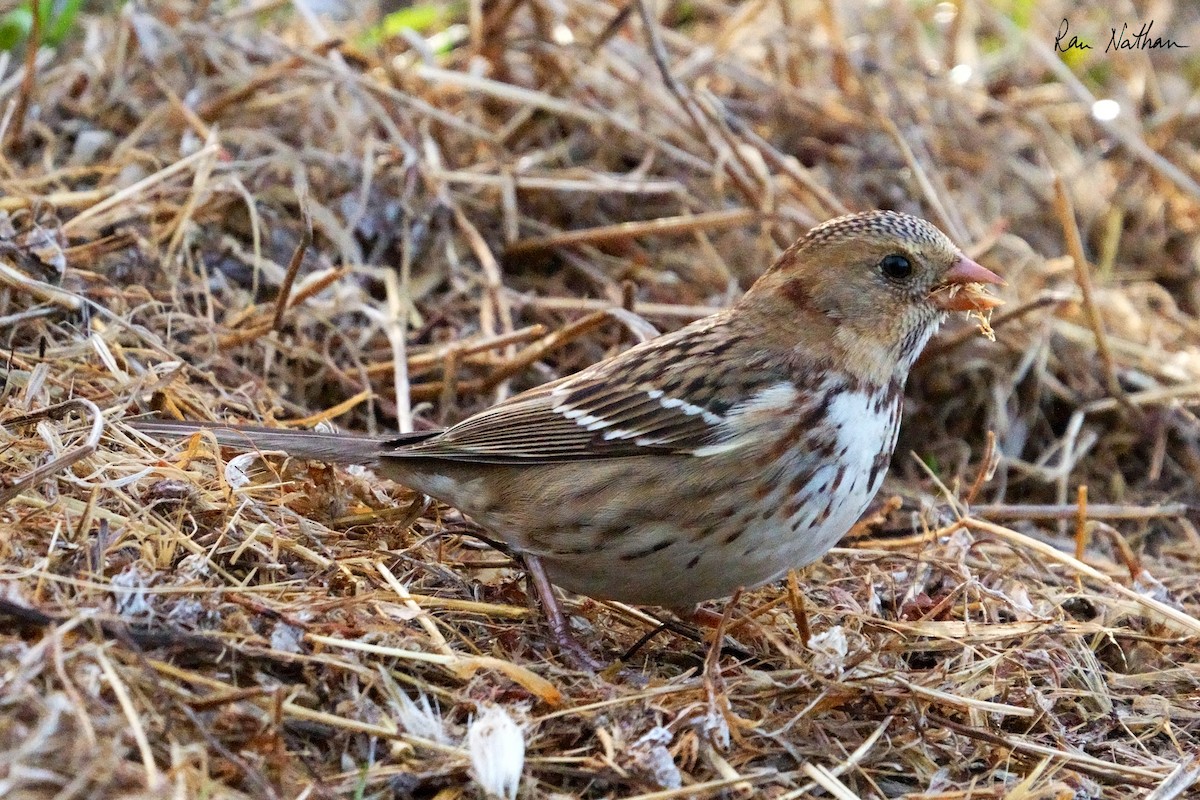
[667, 396]
[581, 420]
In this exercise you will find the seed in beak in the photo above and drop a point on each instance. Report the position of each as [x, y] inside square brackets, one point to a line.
[963, 288]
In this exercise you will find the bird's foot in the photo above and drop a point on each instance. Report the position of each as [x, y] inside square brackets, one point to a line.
[570, 649]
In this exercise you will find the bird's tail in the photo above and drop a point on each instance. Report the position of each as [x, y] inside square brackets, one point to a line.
[331, 448]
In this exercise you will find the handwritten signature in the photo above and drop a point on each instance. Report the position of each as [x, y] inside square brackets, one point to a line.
[1141, 40]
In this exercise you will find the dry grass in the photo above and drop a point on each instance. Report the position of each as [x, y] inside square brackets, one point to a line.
[487, 202]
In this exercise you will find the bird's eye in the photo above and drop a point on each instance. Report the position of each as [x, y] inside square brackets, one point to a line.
[896, 267]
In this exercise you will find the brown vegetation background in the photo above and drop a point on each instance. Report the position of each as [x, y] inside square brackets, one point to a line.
[305, 213]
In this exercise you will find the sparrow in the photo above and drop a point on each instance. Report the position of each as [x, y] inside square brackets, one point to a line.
[713, 458]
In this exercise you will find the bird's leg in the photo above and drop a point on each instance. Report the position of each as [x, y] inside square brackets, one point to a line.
[560, 629]
[716, 721]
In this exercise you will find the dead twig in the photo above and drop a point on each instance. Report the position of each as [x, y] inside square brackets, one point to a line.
[631, 230]
[66, 459]
[1066, 217]
[1110, 511]
[293, 268]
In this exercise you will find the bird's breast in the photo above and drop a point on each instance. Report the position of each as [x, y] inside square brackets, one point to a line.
[829, 473]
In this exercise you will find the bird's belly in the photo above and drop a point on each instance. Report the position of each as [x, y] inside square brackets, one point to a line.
[689, 571]
[816, 495]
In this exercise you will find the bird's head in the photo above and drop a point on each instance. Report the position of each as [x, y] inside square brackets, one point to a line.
[874, 286]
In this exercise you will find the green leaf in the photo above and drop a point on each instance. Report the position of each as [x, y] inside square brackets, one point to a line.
[61, 22]
[931, 461]
[15, 27]
[58, 18]
[424, 18]
[420, 18]
[1021, 13]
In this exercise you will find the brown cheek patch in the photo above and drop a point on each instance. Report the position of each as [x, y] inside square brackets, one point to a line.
[796, 292]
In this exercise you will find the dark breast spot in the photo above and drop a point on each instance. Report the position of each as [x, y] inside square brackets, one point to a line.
[794, 507]
[799, 481]
[647, 551]
[826, 448]
[584, 550]
[809, 419]
[838, 478]
[878, 465]
[852, 383]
